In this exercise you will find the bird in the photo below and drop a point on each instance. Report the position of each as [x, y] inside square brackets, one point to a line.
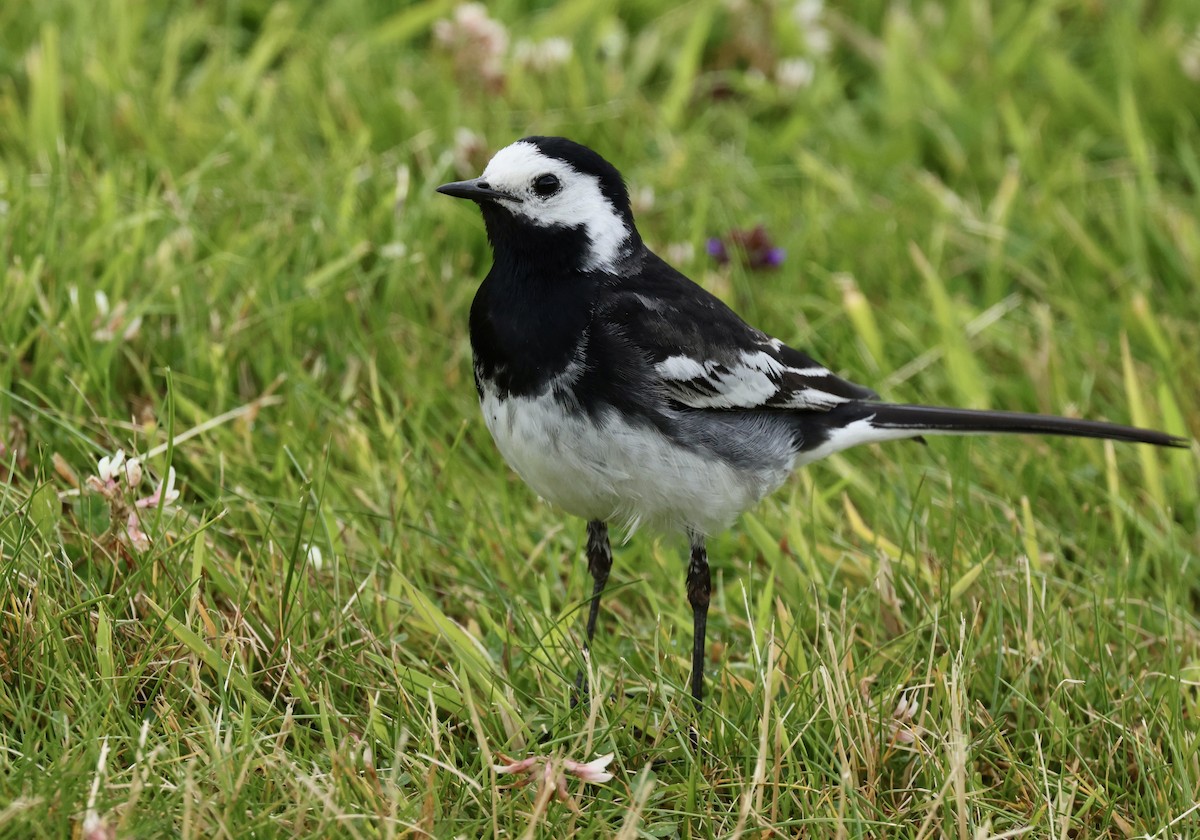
[625, 394]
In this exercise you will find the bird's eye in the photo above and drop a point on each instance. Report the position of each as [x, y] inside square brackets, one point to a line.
[546, 185]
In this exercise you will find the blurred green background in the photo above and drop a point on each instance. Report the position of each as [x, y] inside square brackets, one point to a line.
[221, 254]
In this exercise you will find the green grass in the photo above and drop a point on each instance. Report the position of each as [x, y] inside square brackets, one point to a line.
[207, 261]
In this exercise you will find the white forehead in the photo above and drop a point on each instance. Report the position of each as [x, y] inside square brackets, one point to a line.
[517, 165]
[579, 202]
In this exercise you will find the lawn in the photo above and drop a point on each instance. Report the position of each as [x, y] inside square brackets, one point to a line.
[319, 604]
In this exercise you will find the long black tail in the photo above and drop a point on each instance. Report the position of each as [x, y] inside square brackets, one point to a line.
[858, 422]
[925, 419]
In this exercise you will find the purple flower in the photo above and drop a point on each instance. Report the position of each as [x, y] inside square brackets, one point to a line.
[770, 258]
[758, 251]
[716, 249]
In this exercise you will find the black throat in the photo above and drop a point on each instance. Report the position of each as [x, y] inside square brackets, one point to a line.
[531, 313]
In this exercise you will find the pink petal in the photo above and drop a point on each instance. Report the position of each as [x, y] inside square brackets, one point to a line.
[164, 488]
[521, 766]
[137, 537]
[593, 771]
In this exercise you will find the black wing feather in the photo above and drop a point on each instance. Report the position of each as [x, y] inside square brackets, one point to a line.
[705, 356]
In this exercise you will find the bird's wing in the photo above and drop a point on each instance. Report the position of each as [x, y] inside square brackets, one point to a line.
[702, 355]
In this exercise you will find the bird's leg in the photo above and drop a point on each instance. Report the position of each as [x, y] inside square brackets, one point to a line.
[699, 587]
[599, 557]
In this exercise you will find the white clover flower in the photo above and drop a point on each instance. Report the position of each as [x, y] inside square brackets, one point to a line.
[613, 42]
[315, 557]
[403, 182]
[542, 56]
[478, 42]
[556, 51]
[468, 146]
[819, 40]
[550, 774]
[808, 12]
[643, 199]
[807, 15]
[793, 74]
[680, 253]
[1189, 57]
[393, 251]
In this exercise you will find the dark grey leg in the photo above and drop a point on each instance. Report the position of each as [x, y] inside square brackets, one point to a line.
[599, 557]
[699, 587]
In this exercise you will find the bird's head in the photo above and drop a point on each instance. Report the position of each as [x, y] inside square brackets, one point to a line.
[545, 195]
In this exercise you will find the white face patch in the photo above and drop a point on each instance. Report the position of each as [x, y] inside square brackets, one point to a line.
[578, 202]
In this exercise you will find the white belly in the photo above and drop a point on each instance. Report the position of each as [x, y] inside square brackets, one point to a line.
[608, 469]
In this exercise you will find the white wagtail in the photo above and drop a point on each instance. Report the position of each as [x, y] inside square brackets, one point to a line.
[621, 391]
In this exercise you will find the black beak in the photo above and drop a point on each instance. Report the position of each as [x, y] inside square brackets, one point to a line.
[475, 189]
